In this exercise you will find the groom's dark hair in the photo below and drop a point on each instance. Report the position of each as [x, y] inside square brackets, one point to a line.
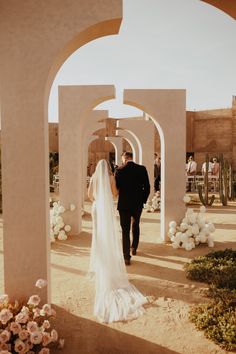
[128, 154]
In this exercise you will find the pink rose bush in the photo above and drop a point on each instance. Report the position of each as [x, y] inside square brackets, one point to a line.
[26, 328]
[58, 229]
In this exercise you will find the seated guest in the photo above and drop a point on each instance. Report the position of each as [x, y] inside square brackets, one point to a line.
[191, 167]
[209, 168]
[215, 167]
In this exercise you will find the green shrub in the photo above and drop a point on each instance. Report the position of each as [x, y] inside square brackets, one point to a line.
[218, 321]
[218, 268]
[226, 296]
[217, 318]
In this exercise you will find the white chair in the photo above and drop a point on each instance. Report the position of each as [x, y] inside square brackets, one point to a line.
[190, 183]
[199, 179]
[214, 181]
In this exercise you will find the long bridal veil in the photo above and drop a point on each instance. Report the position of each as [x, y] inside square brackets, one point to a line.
[116, 299]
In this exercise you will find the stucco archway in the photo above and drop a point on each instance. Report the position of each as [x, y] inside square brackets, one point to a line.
[28, 64]
[76, 104]
[132, 141]
[167, 110]
[117, 143]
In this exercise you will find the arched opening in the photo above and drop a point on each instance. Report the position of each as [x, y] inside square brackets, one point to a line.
[101, 29]
[132, 142]
[138, 143]
[100, 149]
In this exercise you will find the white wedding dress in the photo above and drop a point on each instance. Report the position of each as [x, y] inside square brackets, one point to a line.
[116, 299]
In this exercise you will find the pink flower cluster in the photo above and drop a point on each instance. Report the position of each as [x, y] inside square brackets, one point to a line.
[27, 328]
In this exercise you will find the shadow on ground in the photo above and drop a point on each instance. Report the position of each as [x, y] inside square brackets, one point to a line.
[85, 336]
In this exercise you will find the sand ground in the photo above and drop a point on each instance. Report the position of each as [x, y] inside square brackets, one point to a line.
[157, 271]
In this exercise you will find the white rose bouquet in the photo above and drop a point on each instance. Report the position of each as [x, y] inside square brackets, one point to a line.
[193, 230]
[58, 229]
[153, 205]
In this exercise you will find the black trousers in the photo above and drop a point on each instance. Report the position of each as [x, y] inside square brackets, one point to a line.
[157, 183]
[128, 218]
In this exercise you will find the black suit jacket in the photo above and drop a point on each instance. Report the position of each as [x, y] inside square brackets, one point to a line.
[133, 184]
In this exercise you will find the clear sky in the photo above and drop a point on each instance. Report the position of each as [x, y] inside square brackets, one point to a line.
[161, 44]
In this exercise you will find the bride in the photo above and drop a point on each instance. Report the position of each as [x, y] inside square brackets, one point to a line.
[116, 299]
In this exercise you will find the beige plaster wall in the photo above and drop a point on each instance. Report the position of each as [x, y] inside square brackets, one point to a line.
[35, 39]
[212, 132]
[53, 137]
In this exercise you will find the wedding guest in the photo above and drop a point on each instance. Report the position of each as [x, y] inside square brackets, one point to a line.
[209, 168]
[157, 173]
[215, 167]
[191, 167]
[191, 170]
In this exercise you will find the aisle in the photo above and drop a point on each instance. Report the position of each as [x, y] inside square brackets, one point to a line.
[157, 271]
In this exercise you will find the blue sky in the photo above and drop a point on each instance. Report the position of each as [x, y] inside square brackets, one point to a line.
[161, 44]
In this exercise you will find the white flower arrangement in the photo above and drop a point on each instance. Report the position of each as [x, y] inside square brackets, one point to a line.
[193, 230]
[58, 229]
[153, 205]
[187, 199]
[26, 328]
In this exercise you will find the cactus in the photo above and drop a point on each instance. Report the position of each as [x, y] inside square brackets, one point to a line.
[231, 184]
[223, 180]
[0, 182]
[205, 199]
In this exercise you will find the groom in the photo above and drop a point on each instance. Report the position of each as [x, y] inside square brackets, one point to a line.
[134, 188]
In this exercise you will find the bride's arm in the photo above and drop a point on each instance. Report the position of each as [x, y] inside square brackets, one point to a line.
[90, 190]
[114, 190]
